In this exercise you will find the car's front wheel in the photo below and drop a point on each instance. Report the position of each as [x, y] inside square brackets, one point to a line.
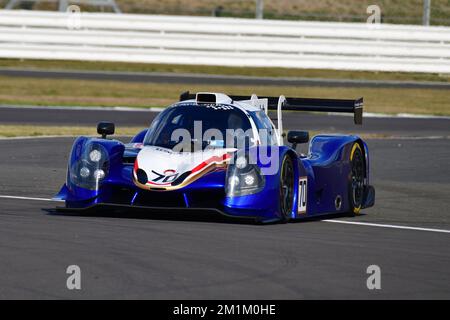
[286, 188]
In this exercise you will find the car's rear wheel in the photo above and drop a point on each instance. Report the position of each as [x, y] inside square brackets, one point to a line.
[356, 184]
[286, 188]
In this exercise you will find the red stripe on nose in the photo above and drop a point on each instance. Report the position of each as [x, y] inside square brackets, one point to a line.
[210, 160]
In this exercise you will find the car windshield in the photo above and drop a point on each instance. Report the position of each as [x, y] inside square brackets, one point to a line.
[199, 126]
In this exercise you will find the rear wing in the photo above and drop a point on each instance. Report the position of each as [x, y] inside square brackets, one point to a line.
[303, 104]
[281, 103]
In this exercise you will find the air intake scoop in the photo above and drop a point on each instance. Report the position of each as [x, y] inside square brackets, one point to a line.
[212, 98]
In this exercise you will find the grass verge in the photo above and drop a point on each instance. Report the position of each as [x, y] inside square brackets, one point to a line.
[61, 92]
[10, 131]
[13, 131]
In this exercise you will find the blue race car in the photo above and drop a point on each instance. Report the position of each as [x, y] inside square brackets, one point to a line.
[215, 153]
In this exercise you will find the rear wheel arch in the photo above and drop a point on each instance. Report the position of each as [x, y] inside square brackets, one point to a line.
[357, 176]
[362, 145]
[365, 154]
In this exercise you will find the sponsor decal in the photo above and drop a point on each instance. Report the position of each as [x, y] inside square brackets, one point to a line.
[168, 151]
[167, 177]
[218, 106]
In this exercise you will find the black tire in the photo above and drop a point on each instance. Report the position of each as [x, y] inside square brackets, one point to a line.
[286, 188]
[357, 179]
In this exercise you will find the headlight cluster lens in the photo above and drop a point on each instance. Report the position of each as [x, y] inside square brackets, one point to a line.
[85, 172]
[249, 180]
[91, 168]
[241, 162]
[95, 155]
[233, 181]
[243, 178]
[99, 174]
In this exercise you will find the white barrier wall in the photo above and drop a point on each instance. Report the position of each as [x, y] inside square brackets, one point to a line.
[223, 41]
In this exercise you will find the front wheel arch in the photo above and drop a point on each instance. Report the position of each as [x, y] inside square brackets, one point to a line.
[286, 213]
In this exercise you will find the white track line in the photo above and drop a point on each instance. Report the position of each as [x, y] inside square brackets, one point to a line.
[388, 226]
[332, 221]
[28, 198]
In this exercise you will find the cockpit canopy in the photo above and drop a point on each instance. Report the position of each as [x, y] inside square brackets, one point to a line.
[192, 126]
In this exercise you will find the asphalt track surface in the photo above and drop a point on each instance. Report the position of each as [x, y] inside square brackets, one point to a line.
[292, 120]
[192, 78]
[155, 257]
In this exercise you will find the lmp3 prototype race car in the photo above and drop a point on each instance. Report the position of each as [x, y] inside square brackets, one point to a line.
[211, 152]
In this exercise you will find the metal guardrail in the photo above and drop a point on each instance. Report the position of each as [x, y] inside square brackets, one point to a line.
[223, 41]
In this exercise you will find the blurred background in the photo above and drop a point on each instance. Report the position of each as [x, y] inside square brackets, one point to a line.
[393, 11]
[144, 53]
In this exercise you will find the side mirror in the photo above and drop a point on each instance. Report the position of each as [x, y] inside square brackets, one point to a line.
[298, 137]
[105, 128]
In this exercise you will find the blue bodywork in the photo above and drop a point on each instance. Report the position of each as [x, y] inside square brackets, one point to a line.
[326, 166]
[103, 173]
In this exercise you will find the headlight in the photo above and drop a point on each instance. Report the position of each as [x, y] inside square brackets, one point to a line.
[91, 167]
[99, 174]
[249, 180]
[241, 162]
[85, 172]
[233, 181]
[243, 178]
[95, 155]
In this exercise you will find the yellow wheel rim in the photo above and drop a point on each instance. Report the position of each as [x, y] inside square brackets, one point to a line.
[355, 147]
